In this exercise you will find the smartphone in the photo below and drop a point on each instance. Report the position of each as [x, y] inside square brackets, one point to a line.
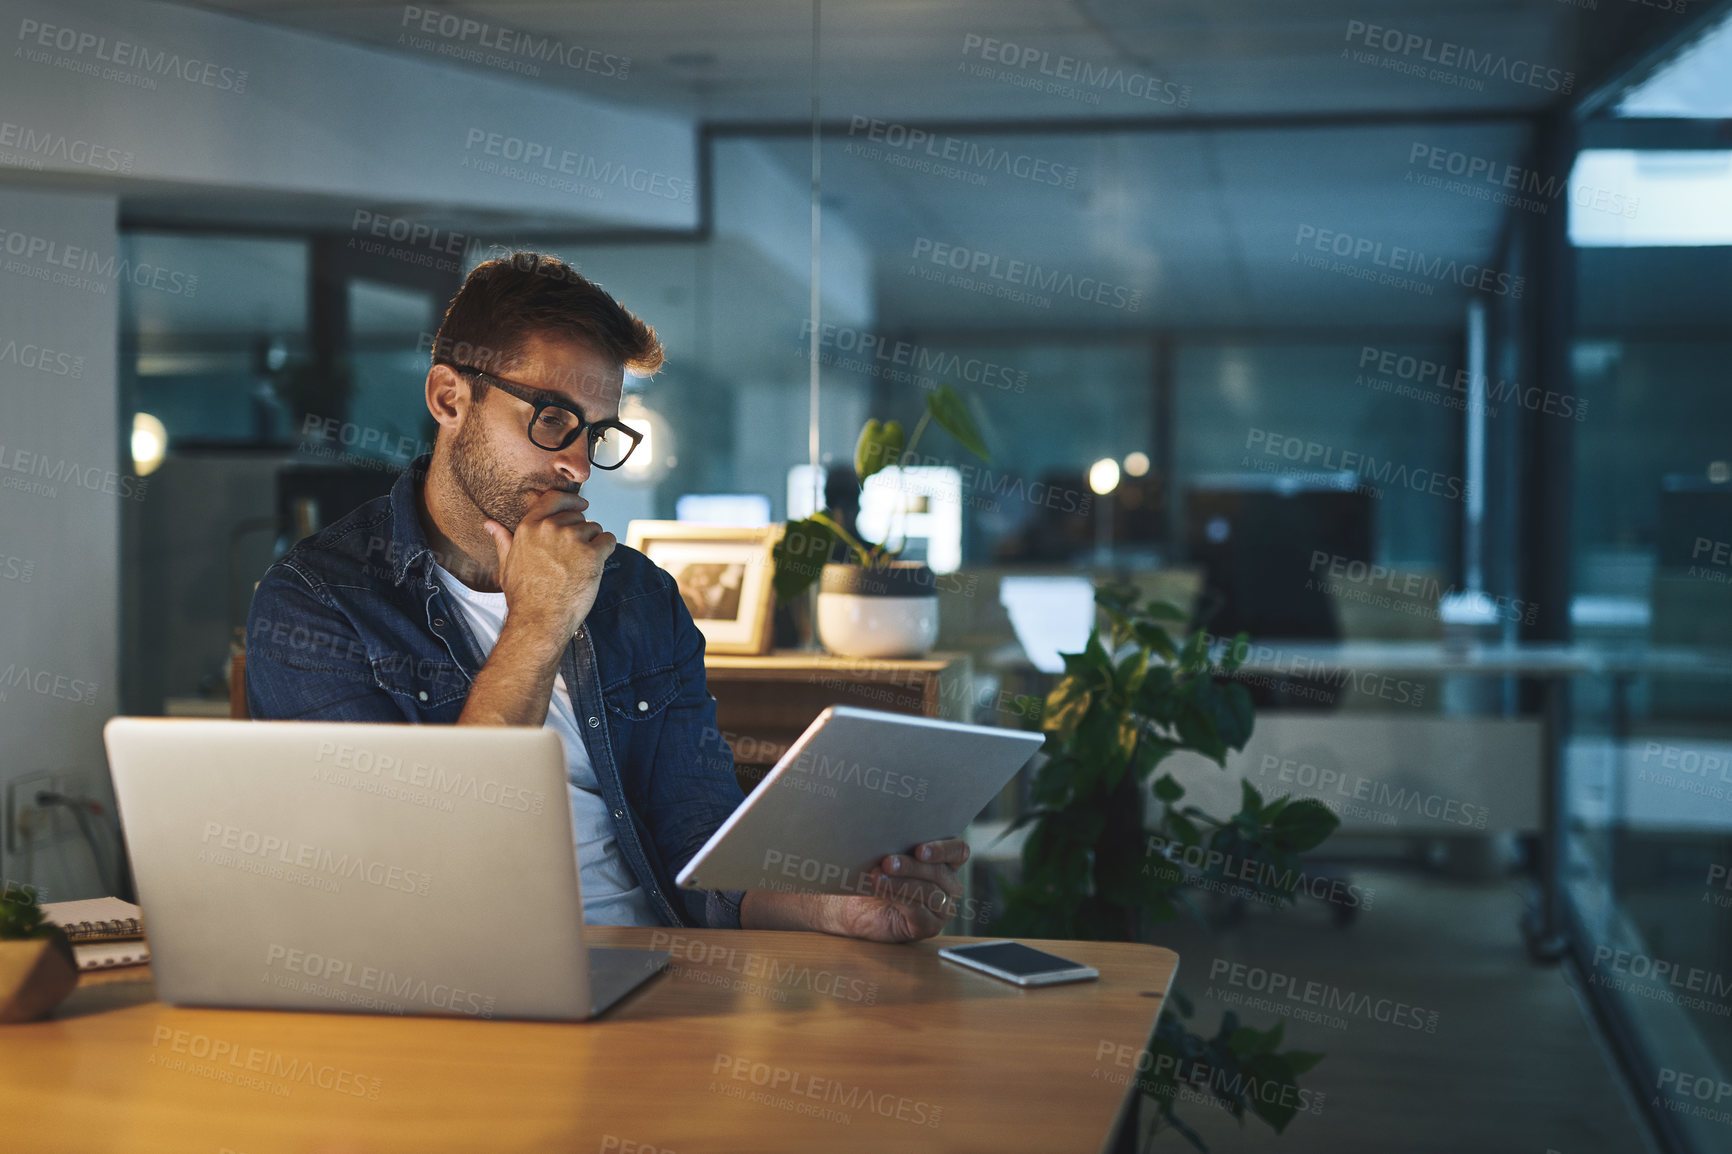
[1015, 962]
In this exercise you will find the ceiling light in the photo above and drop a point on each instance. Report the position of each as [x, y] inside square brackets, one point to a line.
[149, 444]
[1104, 476]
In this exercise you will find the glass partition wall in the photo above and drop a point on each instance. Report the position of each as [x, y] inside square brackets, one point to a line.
[1647, 792]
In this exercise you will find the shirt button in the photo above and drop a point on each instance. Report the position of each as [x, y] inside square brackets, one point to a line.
[439, 623]
[642, 706]
[594, 721]
[619, 813]
[422, 695]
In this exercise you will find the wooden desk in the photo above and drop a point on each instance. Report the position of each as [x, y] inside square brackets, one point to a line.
[821, 1023]
[764, 703]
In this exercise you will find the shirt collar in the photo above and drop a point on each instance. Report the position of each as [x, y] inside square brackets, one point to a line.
[408, 541]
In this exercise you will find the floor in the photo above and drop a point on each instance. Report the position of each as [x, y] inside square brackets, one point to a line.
[1513, 1065]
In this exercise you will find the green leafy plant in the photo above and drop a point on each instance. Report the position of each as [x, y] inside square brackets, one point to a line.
[1095, 867]
[805, 546]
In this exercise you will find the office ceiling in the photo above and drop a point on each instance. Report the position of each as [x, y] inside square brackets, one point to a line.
[751, 60]
[1286, 129]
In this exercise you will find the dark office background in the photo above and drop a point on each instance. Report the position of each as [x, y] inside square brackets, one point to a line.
[1265, 380]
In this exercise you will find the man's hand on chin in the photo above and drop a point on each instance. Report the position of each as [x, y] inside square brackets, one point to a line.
[916, 894]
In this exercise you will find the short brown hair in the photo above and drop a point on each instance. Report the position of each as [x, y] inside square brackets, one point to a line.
[507, 300]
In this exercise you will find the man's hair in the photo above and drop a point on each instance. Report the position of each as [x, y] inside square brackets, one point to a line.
[506, 301]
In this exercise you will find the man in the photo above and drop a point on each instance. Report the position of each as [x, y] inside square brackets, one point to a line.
[478, 592]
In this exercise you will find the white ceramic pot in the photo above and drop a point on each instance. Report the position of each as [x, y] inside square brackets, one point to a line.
[878, 612]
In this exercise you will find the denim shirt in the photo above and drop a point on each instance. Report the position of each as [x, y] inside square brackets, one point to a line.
[350, 625]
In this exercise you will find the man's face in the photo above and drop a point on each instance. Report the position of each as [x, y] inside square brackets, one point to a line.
[496, 464]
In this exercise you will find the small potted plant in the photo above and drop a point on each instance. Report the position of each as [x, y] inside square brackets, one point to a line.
[37, 966]
[874, 604]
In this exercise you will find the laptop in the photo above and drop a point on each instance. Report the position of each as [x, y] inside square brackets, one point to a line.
[857, 785]
[346, 867]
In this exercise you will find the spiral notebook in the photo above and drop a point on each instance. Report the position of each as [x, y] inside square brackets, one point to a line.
[104, 932]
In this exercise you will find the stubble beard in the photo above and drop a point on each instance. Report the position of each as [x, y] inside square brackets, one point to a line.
[490, 488]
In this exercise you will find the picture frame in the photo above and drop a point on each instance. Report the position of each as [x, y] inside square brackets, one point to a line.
[724, 574]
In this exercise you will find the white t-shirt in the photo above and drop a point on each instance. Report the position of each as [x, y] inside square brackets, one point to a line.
[611, 894]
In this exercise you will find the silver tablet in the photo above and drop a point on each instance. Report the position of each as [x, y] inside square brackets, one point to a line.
[857, 785]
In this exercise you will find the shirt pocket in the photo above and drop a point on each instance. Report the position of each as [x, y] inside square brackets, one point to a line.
[644, 694]
[423, 682]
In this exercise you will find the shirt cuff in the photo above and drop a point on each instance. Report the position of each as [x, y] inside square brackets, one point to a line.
[722, 909]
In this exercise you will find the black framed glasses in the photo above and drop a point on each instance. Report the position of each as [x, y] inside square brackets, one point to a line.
[555, 424]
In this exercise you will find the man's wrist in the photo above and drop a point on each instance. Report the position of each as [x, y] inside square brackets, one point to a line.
[768, 910]
[543, 638]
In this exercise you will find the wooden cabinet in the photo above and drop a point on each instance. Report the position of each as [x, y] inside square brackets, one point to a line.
[764, 703]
